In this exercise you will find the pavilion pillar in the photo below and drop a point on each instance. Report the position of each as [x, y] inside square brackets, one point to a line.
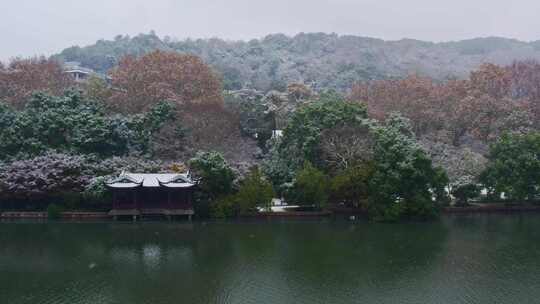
[169, 198]
[189, 198]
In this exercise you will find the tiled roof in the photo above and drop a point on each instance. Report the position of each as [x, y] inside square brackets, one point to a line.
[171, 180]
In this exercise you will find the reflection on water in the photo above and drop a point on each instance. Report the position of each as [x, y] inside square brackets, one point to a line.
[462, 259]
[151, 256]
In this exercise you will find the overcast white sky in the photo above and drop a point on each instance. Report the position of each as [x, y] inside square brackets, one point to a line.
[33, 27]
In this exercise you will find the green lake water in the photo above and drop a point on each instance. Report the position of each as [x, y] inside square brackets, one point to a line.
[458, 259]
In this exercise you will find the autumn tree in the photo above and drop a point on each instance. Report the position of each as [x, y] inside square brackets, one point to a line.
[140, 82]
[414, 97]
[492, 100]
[490, 79]
[22, 77]
[480, 116]
[201, 122]
[525, 85]
[502, 98]
[525, 79]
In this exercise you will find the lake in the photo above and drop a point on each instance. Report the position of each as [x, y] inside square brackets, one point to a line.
[457, 259]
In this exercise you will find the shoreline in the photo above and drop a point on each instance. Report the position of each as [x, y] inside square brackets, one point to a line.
[472, 209]
[490, 208]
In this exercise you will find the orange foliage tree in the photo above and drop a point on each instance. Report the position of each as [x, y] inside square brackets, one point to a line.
[139, 82]
[491, 80]
[525, 85]
[492, 100]
[415, 97]
[202, 122]
[22, 77]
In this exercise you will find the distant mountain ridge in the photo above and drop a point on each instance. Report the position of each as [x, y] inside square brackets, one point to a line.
[322, 60]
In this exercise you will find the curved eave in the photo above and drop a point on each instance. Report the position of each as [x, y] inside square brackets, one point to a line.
[177, 185]
[123, 186]
[179, 179]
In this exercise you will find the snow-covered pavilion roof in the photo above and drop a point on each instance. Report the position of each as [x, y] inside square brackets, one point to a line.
[169, 180]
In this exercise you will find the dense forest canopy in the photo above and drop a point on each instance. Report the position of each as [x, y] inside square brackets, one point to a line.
[323, 60]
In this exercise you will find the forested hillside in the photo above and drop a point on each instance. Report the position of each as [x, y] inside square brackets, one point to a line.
[321, 60]
[392, 148]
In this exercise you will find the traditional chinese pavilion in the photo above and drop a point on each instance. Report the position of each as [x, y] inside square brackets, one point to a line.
[137, 194]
